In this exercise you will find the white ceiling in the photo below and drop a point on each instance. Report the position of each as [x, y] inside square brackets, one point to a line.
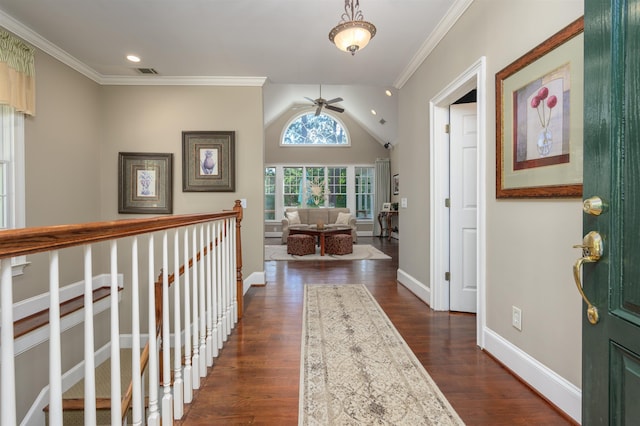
[283, 43]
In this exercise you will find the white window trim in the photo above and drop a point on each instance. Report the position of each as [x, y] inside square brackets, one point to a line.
[17, 213]
[307, 111]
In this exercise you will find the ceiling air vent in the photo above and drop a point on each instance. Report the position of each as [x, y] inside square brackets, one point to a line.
[146, 71]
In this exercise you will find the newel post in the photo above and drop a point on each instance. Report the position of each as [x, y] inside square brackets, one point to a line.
[239, 284]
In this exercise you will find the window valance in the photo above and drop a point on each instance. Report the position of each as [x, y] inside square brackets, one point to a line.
[17, 74]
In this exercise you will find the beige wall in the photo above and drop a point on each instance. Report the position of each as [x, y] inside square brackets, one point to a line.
[152, 118]
[364, 148]
[529, 254]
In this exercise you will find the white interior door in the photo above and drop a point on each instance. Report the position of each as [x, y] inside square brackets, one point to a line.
[463, 195]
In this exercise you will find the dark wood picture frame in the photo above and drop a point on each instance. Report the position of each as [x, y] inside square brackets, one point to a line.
[529, 122]
[208, 161]
[145, 183]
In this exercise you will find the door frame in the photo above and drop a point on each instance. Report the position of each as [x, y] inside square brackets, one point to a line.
[473, 78]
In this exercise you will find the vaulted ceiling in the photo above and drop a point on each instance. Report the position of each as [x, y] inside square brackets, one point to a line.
[281, 43]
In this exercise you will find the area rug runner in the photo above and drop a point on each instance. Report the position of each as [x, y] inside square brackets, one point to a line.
[356, 369]
[360, 252]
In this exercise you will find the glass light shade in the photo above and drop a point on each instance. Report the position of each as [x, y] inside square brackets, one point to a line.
[352, 36]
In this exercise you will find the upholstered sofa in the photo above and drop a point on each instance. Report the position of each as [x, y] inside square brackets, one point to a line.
[310, 217]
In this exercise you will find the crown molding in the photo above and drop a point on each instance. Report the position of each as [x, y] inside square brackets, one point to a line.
[35, 39]
[181, 81]
[450, 18]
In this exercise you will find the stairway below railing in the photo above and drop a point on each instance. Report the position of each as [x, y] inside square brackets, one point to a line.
[201, 310]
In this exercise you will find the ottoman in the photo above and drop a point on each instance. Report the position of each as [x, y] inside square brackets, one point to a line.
[300, 244]
[339, 244]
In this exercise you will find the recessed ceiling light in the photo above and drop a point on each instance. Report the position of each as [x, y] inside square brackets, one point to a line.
[373, 111]
[133, 58]
[388, 92]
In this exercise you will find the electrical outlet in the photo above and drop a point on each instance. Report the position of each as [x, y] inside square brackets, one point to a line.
[516, 318]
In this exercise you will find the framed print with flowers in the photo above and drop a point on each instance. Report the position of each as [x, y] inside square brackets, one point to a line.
[145, 182]
[539, 106]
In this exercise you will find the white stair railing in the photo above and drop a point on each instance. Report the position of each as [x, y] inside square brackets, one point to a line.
[202, 291]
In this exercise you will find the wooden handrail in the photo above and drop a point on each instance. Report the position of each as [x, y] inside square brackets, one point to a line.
[23, 241]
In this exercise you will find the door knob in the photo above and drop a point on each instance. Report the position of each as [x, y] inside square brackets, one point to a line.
[593, 206]
[592, 249]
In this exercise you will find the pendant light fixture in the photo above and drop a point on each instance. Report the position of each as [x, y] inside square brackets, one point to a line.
[352, 32]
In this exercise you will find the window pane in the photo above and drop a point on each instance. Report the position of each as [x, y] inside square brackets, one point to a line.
[316, 187]
[293, 187]
[364, 192]
[309, 129]
[270, 193]
[337, 182]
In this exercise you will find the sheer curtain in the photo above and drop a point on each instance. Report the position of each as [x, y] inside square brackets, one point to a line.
[383, 190]
[17, 74]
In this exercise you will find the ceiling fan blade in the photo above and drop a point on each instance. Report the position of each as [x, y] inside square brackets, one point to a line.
[310, 100]
[333, 101]
[334, 108]
[318, 110]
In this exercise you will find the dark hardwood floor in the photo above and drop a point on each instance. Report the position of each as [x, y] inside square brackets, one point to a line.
[255, 379]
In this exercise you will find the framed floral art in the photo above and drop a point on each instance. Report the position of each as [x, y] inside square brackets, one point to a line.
[145, 183]
[539, 107]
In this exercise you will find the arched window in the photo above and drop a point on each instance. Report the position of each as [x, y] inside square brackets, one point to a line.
[308, 129]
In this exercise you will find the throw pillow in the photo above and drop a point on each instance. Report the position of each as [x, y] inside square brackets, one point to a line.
[294, 218]
[343, 218]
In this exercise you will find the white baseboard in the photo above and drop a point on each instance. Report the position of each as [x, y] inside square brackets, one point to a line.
[256, 278]
[560, 392]
[416, 287]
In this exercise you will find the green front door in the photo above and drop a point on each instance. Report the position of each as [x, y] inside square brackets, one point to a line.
[611, 347]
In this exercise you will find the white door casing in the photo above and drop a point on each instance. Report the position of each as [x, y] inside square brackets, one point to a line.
[463, 149]
[438, 294]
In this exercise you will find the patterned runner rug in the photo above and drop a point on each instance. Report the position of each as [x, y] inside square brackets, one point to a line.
[357, 370]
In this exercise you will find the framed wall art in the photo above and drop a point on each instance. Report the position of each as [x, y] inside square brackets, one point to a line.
[395, 184]
[539, 104]
[208, 161]
[145, 183]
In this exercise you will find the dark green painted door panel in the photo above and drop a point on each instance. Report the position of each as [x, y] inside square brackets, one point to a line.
[611, 364]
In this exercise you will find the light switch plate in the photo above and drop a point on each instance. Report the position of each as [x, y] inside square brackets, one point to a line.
[243, 203]
[403, 203]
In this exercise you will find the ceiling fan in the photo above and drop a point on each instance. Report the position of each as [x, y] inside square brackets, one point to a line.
[323, 103]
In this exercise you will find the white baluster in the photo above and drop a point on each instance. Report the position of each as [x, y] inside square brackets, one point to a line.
[154, 416]
[7, 367]
[225, 273]
[167, 400]
[178, 390]
[220, 283]
[188, 382]
[55, 352]
[202, 313]
[209, 341]
[89, 356]
[234, 270]
[116, 397]
[214, 290]
[136, 381]
[195, 322]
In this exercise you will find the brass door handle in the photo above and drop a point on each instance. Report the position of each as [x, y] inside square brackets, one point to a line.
[592, 249]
